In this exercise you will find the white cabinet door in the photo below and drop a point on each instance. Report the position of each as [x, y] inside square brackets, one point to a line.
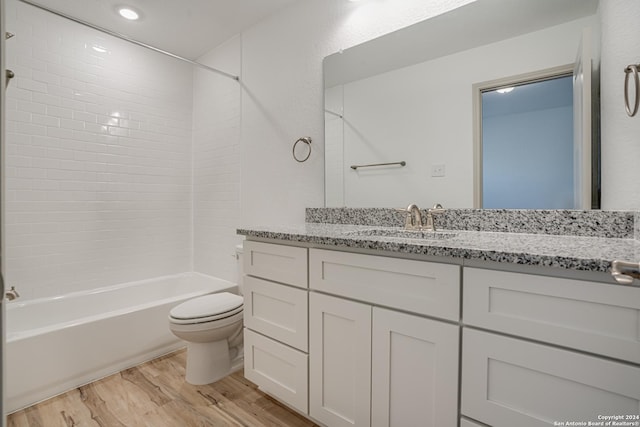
[340, 361]
[414, 371]
[509, 382]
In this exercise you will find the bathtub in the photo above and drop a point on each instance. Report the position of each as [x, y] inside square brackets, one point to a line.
[59, 343]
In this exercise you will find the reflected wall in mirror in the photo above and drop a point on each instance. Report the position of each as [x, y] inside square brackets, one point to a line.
[408, 96]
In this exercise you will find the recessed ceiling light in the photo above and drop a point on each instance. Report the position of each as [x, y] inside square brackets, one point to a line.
[128, 13]
[99, 48]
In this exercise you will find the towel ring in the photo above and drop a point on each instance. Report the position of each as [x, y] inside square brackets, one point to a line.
[631, 69]
[306, 140]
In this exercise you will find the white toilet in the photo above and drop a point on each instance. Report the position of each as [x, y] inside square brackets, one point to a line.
[212, 327]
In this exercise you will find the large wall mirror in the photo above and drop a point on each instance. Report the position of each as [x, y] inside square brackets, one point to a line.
[403, 113]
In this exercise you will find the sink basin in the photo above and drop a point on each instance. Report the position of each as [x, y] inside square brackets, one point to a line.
[403, 234]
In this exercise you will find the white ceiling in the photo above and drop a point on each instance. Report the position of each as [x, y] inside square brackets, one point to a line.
[184, 27]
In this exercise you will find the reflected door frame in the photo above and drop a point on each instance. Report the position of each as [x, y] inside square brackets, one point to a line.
[478, 89]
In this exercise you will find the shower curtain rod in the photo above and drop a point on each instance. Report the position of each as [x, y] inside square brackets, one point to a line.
[129, 39]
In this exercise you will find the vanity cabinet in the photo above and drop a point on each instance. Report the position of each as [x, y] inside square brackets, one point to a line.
[360, 340]
[275, 320]
[510, 380]
[375, 366]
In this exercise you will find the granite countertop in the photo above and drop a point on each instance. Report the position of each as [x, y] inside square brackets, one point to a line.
[563, 251]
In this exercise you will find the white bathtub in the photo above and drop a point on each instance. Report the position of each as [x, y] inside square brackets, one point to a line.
[57, 344]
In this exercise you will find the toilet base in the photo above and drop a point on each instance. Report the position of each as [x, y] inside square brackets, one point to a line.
[207, 362]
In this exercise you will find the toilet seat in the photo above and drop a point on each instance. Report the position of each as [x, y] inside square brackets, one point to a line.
[208, 308]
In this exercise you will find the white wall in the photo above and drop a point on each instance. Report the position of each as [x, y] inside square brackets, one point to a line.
[216, 162]
[334, 146]
[620, 133]
[98, 158]
[423, 114]
[282, 74]
[283, 95]
[244, 172]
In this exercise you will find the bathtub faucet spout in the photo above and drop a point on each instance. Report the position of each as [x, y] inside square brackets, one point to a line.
[12, 294]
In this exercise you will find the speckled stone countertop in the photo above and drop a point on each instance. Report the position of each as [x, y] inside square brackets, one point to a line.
[585, 253]
[591, 223]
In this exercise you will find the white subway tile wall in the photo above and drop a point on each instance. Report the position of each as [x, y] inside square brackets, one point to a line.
[99, 158]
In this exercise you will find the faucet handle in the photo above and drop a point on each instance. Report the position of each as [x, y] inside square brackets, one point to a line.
[407, 217]
[437, 208]
[12, 294]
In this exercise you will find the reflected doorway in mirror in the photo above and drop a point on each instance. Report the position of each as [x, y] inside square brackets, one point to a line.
[533, 143]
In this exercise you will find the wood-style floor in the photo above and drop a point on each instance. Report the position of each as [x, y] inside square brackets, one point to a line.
[155, 394]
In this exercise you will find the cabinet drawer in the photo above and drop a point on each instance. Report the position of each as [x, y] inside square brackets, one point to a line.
[277, 369]
[277, 311]
[594, 317]
[468, 423]
[509, 382]
[280, 263]
[416, 286]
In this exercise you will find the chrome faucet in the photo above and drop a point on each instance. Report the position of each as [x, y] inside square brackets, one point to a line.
[436, 209]
[12, 294]
[414, 218]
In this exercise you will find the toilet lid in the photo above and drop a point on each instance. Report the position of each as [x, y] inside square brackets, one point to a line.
[207, 306]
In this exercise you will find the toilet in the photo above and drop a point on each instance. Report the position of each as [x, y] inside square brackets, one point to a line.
[212, 327]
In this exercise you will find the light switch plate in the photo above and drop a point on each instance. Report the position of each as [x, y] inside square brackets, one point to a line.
[437, 170]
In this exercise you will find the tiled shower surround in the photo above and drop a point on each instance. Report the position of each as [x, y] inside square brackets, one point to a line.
[99, 159]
